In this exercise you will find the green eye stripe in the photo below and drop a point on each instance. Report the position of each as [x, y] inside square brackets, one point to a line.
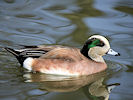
[94, 43]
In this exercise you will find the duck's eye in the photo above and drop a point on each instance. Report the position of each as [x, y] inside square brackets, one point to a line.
[101, 44]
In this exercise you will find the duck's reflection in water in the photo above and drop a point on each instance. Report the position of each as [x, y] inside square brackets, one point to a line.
[98, 89]
[62, 83]
[92, 84]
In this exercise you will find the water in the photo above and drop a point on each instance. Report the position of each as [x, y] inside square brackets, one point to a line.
[66, 22]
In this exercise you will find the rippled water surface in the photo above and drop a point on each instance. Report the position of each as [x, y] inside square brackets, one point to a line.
[66, 22]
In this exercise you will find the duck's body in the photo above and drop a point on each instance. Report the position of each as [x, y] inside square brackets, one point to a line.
[63, 60]
[66, 61]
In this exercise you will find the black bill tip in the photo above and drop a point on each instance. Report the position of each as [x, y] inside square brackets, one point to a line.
[118, 54]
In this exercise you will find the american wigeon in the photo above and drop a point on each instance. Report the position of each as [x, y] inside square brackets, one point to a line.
[63, 60]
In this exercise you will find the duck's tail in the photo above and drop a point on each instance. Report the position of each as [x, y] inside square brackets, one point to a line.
[17, 54]
[26, 52]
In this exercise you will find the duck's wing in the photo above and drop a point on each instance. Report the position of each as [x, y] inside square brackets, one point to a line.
[52, 52]
[31, 51]
[60, 53]
[44, 51]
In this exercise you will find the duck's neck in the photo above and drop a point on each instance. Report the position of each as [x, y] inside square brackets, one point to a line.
[94, 56]
[97, 59]
[91, 55]
[85, 52]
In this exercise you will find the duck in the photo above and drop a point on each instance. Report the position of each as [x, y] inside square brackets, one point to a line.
[65, 60]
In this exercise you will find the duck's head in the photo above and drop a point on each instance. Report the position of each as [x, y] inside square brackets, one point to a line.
[97, 46]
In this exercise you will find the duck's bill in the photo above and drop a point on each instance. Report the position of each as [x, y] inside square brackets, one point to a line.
[112, 52]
